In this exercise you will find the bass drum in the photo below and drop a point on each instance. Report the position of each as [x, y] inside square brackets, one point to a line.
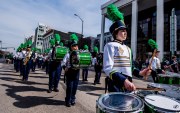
[119, 103]
[80, 59]
[60, 52]
[161, 104]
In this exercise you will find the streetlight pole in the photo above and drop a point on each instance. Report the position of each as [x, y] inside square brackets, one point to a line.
[81, 21]
[1, 44]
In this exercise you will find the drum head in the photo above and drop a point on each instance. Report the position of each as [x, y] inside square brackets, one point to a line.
[162, 103]
[120, 102]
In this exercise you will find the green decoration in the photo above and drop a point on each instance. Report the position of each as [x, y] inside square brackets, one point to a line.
[152, 44]
[95, 49]
[61, 44]
[29, 43]
[57, 38]
[74, 37]
[52, 42]
[114, 14]
[86, 47]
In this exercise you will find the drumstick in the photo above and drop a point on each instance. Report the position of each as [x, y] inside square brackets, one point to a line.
[153, 89]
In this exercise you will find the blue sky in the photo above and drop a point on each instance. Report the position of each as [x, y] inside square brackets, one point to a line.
[19, 18]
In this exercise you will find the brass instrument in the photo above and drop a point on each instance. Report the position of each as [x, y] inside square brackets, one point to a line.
[27, 58]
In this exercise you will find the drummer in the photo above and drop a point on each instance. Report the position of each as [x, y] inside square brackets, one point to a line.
[72, 74]
[54, 65]
[85, 70]
[118, 56]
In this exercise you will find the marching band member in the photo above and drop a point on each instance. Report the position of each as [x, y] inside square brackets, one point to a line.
[54, 65]
[17, 60]
[85, 70]
[72, 74]
[34, 57]
[97, 66]
[27, 61]
[117, 56]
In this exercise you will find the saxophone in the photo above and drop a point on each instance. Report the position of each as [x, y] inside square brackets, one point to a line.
[27, 58]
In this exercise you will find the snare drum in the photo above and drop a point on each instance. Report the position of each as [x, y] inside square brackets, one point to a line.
[166, 79]
[60, 52]
[171, 90]
[119, 102]
[80, 59]
[176, 79]
[143, 93]
[161, 104]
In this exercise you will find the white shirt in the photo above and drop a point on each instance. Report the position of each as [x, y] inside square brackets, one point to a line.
[66, 61]
[155, 63]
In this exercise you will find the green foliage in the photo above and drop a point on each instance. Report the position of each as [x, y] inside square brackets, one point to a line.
[152, 44]
[114, 14]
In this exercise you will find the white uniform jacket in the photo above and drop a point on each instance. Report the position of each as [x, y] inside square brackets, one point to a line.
[117, 58]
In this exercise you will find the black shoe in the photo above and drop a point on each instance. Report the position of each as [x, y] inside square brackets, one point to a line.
[98, 83]
[56, 90]
[49, 91]
[86, 80]
[73, 103]
[68, 105]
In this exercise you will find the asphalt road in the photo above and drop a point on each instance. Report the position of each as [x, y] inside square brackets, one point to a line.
[32, 97]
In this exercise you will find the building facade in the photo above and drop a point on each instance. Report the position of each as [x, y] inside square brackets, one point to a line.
[50, 35]
[39, 32]
[32, 38]
[147, 19]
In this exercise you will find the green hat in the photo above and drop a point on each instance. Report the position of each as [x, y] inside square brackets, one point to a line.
[95, 49]
[73, 40]
[86, 47]
[57, 38]
[117, 17]
[52, 42]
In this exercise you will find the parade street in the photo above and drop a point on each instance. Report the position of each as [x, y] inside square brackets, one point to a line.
[31, 96]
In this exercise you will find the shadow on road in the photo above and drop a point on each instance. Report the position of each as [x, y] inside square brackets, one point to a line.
[30, 101]
[89, 88]
[22, 82]
[94, 94]
[11, 74]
